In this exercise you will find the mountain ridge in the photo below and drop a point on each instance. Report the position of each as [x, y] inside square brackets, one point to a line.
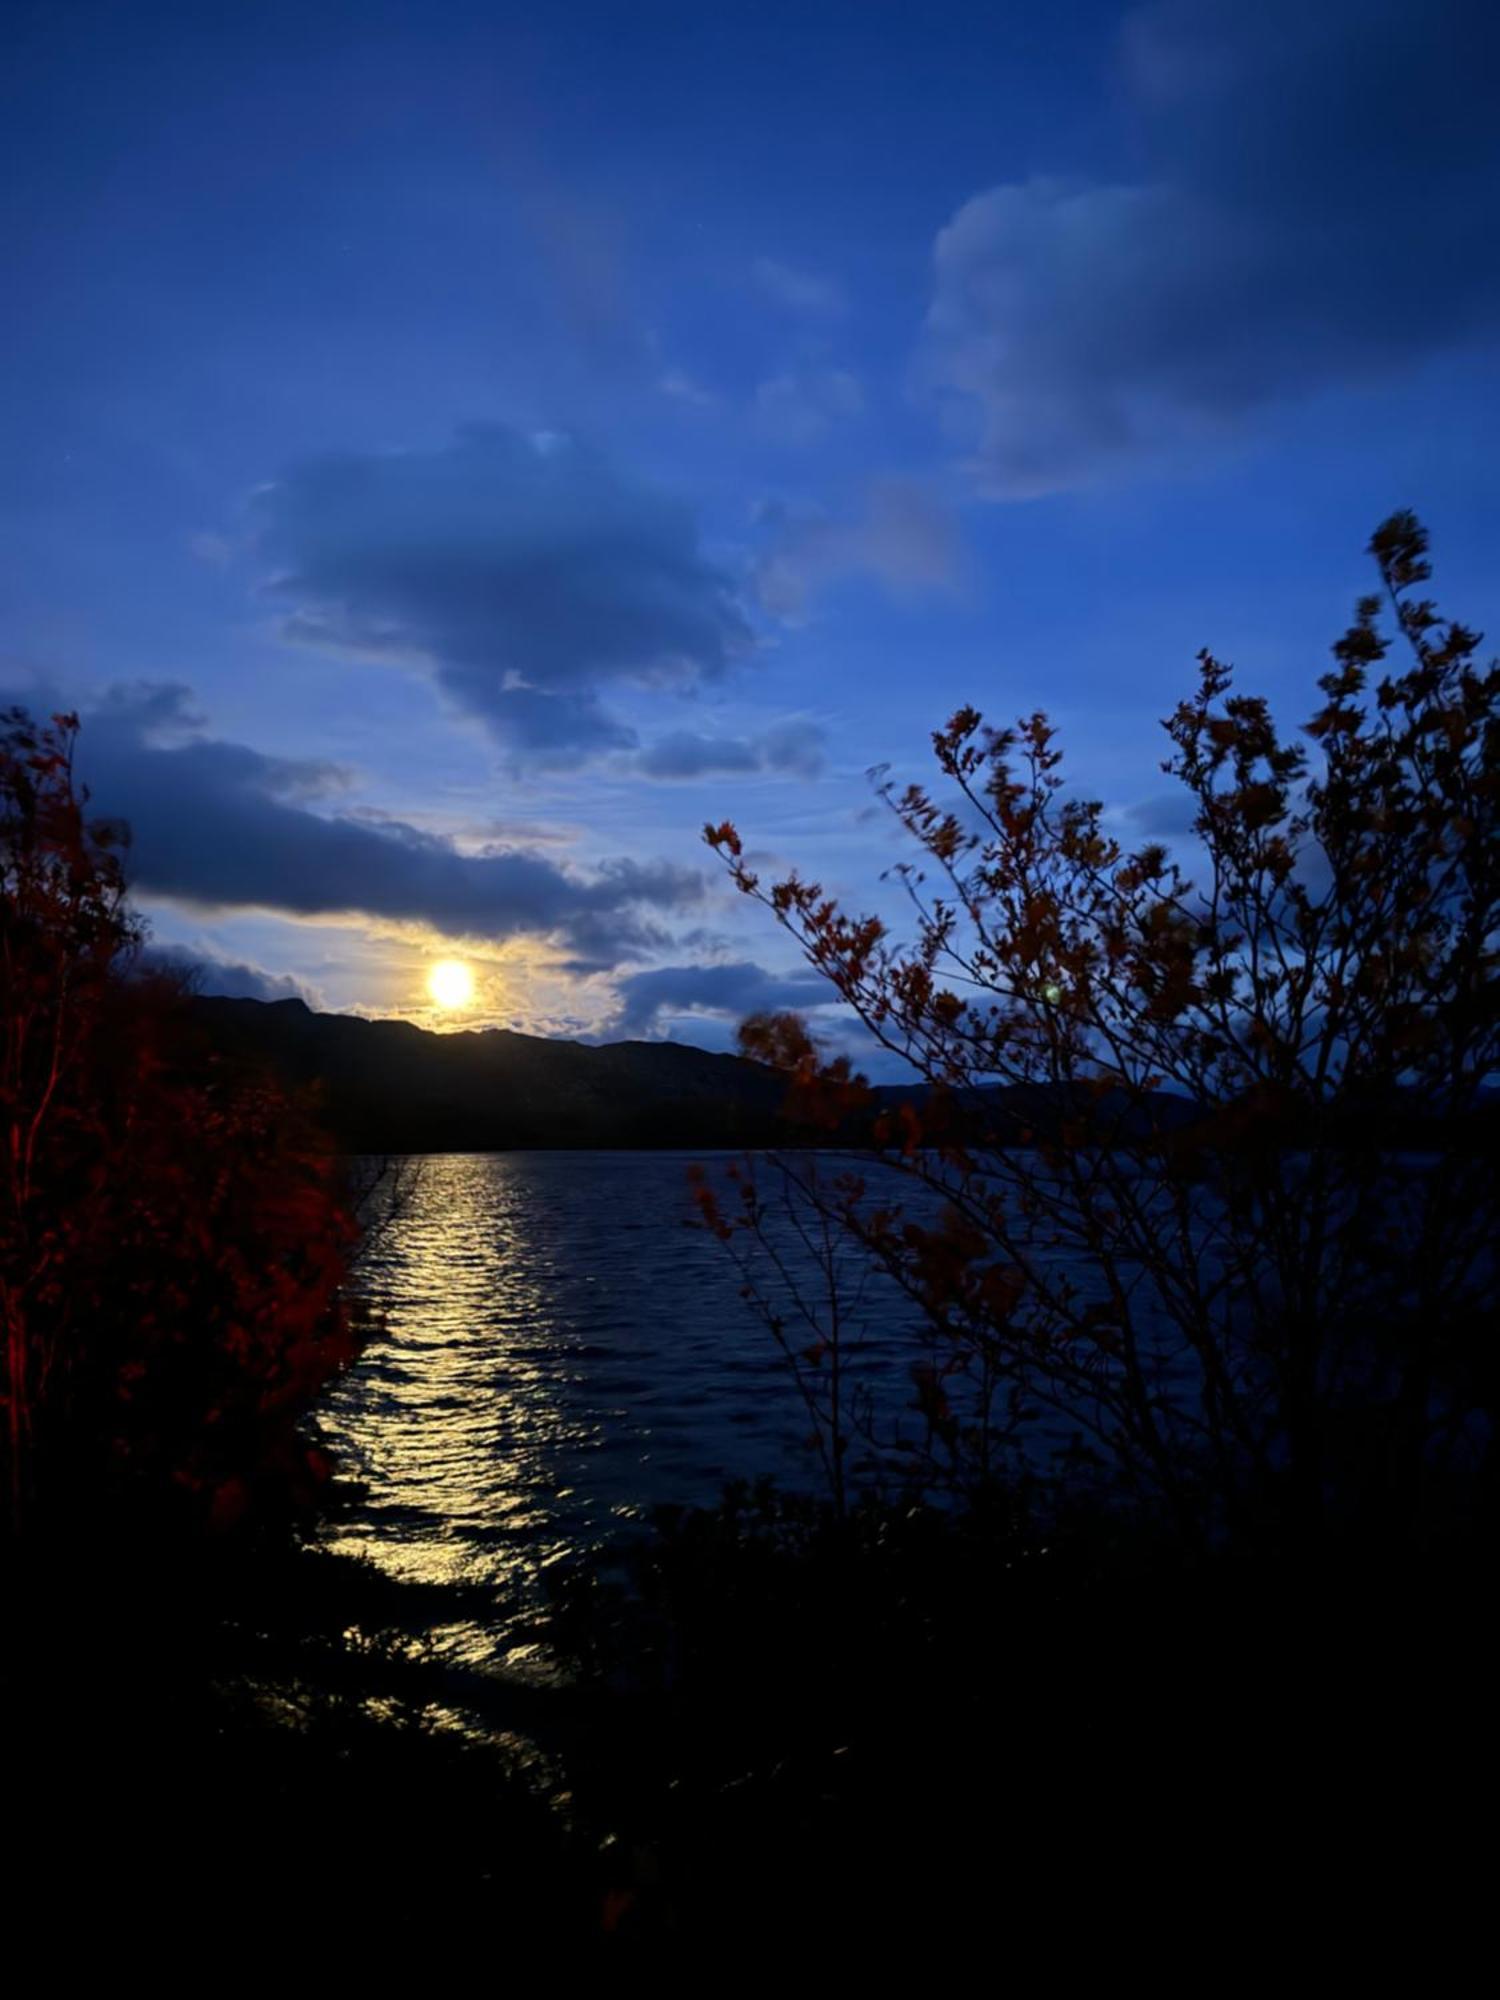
[392, 1086]
[389, 1086]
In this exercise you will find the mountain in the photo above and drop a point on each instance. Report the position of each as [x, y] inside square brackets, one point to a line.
[390, 1087]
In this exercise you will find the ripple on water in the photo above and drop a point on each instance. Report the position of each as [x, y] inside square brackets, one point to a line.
[557, 1356]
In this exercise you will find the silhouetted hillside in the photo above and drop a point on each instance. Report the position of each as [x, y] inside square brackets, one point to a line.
[389, 1087]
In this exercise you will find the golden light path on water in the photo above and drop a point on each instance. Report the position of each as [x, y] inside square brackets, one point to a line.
[558, 1352]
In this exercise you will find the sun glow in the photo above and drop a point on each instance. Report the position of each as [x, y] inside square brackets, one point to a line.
[451, 983]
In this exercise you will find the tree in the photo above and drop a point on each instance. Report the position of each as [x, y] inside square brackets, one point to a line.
[1151, 1197]
[173, 1240]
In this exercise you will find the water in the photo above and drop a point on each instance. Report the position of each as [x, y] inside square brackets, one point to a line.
[560, 1351]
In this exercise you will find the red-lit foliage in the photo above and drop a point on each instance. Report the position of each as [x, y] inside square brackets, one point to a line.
[172, 1235]
[1156, 1151]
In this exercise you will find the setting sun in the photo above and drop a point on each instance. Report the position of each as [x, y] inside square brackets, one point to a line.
[451, 983]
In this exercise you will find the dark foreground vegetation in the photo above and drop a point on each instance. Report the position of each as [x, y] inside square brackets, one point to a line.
[1158, 1634]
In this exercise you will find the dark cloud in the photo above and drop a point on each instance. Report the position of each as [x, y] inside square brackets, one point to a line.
[795, 749]
[529, 574]
[1316, 206]
[229, 978]
[220, 826]
[728, 990]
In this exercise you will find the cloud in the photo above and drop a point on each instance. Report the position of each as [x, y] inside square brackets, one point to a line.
[1314, 208]
[727, 990]
[231, 979]
[904, 536]
[807, 293]
[803, 405]
[220, 826]
[527, 573]
[795, 748]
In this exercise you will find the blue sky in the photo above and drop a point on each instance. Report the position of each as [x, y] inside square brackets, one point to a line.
[451, 452]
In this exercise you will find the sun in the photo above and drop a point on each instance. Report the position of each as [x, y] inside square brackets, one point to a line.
[451, 983]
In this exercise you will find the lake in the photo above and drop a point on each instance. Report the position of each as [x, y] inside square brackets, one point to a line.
[560, 1351]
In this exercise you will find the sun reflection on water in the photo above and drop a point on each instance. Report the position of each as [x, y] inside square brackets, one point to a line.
[557, 1354]
[454, 1417]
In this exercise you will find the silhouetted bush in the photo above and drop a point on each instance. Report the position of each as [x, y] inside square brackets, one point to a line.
[172, 1234]
[1150, 1200]
[889, 1723]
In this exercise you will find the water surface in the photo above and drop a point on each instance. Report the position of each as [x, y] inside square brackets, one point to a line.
[561, 1350]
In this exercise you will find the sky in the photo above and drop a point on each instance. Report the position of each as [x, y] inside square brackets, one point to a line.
[449, 453]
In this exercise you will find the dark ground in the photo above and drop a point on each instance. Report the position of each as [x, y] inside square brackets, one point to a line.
[776, 1732]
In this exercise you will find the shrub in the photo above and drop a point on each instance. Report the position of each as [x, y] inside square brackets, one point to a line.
[1155, 1194]
[172, 1235]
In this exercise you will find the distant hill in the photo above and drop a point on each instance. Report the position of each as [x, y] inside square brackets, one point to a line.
[389, 1087]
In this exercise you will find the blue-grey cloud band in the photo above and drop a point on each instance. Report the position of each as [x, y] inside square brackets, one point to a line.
[1314, 208]
[525, 571]
[221, 826]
